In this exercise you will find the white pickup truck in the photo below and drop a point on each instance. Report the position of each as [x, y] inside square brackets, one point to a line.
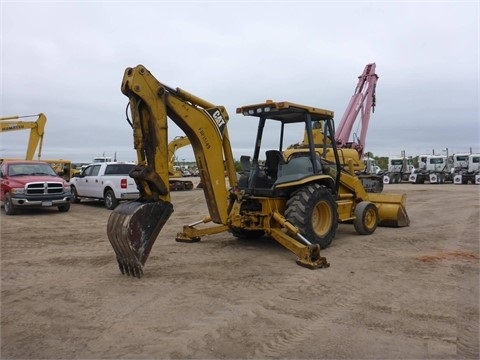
[107, 181]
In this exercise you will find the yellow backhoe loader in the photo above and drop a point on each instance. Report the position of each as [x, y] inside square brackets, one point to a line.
[37, 131]
[297, 203]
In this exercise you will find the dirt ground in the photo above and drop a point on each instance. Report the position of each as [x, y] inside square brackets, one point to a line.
[404, 293]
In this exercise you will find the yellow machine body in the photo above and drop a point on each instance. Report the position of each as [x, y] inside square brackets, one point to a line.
[296, 203]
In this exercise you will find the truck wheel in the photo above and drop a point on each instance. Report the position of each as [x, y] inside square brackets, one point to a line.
[313, 210]
[75, 198]
[8, 205]
[111, 201]
[64, 208]
[366, 218]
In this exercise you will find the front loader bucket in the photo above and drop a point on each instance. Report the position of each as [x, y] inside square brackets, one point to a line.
[132, 229]
[391, 209]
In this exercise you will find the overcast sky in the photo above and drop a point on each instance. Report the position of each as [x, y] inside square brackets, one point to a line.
[66, 59]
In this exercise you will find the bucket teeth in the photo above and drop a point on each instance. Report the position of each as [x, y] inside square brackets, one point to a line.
[132, 230]
[127, 268]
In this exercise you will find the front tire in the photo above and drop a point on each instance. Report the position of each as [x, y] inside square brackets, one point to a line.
[111, 201]
[366, 218]
[8, 205]
[75, 198]
[64, 208]
[313, 210]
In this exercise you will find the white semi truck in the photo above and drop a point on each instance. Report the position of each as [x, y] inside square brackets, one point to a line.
[466, 168]
[436, 169]
[399, 169]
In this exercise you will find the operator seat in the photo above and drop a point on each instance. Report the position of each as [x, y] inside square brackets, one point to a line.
[273, 159]
[246, 163]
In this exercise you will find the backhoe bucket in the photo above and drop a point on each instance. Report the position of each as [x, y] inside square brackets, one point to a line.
[132, 229]
[391, 209]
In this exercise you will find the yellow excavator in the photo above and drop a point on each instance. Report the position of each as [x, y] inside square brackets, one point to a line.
[298, 203]
[175, 183]
[37, 131]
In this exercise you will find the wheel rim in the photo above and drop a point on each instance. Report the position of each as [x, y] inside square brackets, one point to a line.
[322, 218]
[108, 200]
[370, 218]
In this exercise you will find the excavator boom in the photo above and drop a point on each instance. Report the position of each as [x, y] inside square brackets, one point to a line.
[176, 183]
[177, 143]
[37, 131]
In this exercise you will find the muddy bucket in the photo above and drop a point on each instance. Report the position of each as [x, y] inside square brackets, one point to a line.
[391, 209]
[132, 230]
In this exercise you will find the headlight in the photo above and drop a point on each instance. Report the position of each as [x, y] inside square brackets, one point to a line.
[18, 191]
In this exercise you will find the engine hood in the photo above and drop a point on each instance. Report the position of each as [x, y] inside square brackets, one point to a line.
[22, 180]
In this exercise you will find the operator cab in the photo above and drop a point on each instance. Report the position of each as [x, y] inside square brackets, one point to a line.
[269, 171]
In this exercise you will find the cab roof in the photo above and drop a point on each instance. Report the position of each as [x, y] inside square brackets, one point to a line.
[285, 111]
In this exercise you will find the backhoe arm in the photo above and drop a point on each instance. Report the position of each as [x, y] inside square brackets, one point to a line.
[203, 123]
[133, 228]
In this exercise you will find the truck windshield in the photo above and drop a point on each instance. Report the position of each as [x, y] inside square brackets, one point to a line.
[436, 161]
[30, 169]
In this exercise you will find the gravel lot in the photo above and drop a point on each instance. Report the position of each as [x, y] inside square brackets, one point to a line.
[399, 293]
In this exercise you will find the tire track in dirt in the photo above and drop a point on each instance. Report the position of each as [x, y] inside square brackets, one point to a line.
[292, 307]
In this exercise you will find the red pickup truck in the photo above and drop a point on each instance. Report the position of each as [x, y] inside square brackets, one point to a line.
[26, 183]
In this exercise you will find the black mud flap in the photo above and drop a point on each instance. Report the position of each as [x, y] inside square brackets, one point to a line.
[132, 230]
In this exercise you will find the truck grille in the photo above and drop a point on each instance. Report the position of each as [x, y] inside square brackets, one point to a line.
[43, 188]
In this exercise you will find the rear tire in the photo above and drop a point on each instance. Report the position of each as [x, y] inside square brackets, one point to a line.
[111, 201]
[366, 218]
[8, 205]
[313, 210]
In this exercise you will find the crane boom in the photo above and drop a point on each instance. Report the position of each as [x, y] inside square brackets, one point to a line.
[362, 101]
